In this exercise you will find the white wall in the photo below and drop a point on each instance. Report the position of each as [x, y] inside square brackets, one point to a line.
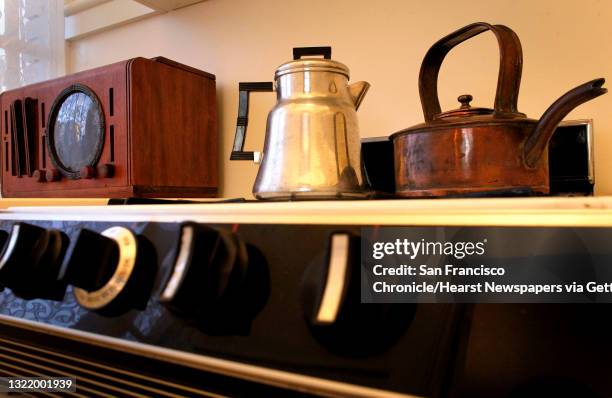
[565, 43]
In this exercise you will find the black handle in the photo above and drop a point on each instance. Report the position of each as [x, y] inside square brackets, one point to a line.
[299, 52]
[238, 152]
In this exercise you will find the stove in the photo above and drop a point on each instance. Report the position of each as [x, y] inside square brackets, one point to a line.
[242, 299]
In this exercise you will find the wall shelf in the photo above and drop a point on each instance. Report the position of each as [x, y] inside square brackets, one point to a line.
[86, 17]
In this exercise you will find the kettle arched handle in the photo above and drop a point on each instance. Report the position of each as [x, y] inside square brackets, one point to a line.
[510, 68]
[244, 89]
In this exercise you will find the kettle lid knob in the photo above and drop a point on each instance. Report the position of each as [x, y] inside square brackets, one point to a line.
[465, 110]
[465, 100]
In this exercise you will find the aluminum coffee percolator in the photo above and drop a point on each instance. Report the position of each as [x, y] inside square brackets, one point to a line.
[312, 143]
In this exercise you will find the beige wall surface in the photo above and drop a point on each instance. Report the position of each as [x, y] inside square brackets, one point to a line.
[565, 43]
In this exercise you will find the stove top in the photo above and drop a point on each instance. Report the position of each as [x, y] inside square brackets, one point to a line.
[244, 299]
[541, 211]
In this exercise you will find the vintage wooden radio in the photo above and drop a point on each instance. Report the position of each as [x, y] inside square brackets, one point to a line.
[137, 128]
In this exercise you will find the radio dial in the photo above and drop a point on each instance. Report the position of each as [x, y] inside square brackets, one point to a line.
[111, 272]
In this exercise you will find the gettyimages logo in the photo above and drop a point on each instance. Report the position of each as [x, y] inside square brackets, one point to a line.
[412, 249]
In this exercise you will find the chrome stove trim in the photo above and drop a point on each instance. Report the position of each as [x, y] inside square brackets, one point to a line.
[258, 374]
[91, 369]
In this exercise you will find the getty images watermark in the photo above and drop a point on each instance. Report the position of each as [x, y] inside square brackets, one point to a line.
[478, 264]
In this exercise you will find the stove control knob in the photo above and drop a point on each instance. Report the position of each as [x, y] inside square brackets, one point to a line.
[3, 237]
[111, 272]
[30, 261]
[333, 309]
[216, 280]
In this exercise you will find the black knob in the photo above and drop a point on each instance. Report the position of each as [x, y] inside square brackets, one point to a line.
[333, 310]
[217, 280]
[30, 262]
[92, 260]
[112, 272]
[3, 238]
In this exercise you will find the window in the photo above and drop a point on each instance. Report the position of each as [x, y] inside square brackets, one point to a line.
[31, 41]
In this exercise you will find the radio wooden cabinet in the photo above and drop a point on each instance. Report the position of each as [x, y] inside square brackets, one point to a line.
[137, 128]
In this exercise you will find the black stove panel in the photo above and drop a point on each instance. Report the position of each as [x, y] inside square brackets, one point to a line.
[263, 322]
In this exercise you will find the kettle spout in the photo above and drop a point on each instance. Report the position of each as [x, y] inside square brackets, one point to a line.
[537, 142]
[358, 91]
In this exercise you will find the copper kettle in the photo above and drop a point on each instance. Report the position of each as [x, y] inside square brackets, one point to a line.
[480, 151]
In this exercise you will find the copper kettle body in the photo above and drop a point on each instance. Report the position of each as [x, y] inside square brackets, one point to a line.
[479, 151]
